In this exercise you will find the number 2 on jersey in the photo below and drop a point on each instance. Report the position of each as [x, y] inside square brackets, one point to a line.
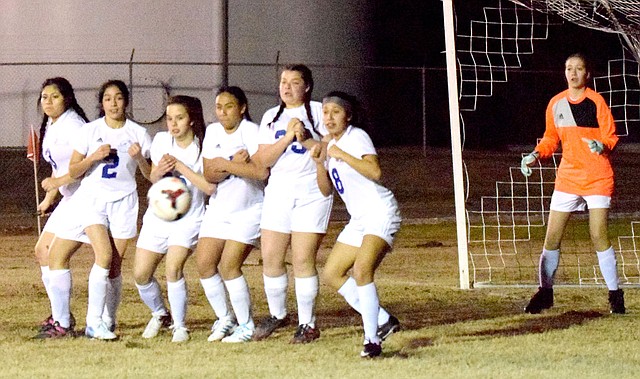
[112, 163]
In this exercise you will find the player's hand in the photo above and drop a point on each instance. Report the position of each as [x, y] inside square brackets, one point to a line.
[135, 150]
[241, 156]
[296, 127]
[49, 184]
[527, 161]
[595, 146]
[336, 152]
[44, 206]
[167, 163]
[316, 153]
[101, 153]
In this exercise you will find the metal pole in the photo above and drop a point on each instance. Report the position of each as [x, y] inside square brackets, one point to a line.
[225, 42]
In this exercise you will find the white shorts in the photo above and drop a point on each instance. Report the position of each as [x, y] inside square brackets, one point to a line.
[120, 216]
[566, 202]
[384, 227]
[242, 226]
[286, 211]
[64, 223]
[157, 235]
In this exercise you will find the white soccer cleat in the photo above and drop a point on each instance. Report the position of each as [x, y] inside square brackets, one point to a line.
[155, 324]
[100, 332]
[222, 328]
[180, 334]
[242, 333]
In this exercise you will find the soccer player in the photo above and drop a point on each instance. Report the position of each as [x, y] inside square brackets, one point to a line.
[62, 119]
[231, 225]
[295, 212]
[351, 166]
[106, 156]
[175, 152]
[580, 120]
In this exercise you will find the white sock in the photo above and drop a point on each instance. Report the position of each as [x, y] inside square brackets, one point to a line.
[216, 294]
[349, 291]
[151, 295]
[549, 260]
[114, 296]
[97, 294]
[60, 296]
[177, 294]
[370, 304]
[45, 278]
[240, 298]
[276, 291]
[306, 293]
[608, 267]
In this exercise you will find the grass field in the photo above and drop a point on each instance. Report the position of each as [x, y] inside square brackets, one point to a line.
[448, 332]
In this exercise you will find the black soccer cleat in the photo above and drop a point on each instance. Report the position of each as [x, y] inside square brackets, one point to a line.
[388, 328]
[616, 301]
[543, 299]
[268, 326]
[371, 350]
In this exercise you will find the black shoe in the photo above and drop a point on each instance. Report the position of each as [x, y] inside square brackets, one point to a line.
[388, 328]
[305, 334]
[616, 301]
[268, 326]
[543, 299]
[371, 350]
[49, 321]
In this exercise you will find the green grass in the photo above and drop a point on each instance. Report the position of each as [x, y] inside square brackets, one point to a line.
[448, 332]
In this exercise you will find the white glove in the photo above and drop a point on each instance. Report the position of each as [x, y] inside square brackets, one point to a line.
[527, 161]
[594, 145]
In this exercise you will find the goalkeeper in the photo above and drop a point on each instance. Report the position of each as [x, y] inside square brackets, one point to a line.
[580, 120]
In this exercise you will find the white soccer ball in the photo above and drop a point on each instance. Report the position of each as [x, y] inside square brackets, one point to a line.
[169, 198]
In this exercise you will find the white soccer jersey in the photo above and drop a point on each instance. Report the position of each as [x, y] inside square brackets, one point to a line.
[56, 146]
[295, 162]
[114, 177]
[163, 143]
[362, 196]
[234, 193]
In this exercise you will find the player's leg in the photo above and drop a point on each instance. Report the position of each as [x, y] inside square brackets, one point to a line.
[177, 290]
[144, 266]
[114, 282]
[598, 228]
[42, 256]
[273, 247]
[368, 258]
[304, 249]
[208, 254]
[233, 256]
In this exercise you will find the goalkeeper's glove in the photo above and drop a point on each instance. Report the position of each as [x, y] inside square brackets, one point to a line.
[527, 161]
[594, 145]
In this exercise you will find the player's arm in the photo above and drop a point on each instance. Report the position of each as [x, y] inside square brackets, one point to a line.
[240, 164]
[198, 180]
[268, 154]
[368, 166]
[47, 202]
[324, 182]
[53, 183]
[135, 152]
[80, 164]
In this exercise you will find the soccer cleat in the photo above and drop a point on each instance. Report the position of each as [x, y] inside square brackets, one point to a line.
[305, 334]
[268, 326]
[54, 330]
[616, 301]
[156, 323]
[180, 334]
[100, 332]
[242, 333]
[371, 350]
[47, 322]
[222, 328]
[388, 328]
[543, 299]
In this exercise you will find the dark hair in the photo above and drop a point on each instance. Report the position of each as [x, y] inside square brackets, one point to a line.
[112, 83]
[193, 105]
[355, 109]
[307, 77]
[70, 101]
[239, 94]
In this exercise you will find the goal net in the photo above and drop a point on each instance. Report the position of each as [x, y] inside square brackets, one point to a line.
[506, 227]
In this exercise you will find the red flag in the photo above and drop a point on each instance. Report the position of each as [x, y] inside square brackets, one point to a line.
[33, 147]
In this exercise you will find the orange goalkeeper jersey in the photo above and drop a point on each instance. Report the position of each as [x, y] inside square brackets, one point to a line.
[581, 172]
